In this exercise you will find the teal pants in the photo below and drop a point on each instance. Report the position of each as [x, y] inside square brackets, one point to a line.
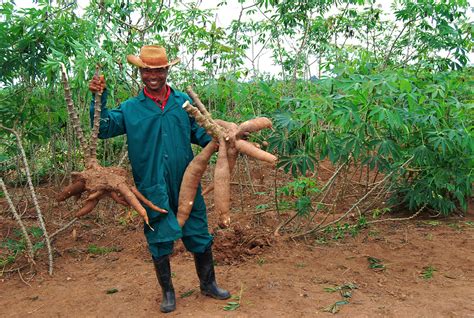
[194, 244]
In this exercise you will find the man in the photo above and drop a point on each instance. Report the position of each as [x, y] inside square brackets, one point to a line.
[159, 134]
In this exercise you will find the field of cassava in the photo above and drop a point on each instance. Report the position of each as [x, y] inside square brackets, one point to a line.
[339, 181]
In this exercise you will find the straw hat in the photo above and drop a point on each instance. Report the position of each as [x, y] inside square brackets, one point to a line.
[151, 56]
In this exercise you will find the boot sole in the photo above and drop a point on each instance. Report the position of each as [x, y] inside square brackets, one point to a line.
[167, 310]
[215, 296]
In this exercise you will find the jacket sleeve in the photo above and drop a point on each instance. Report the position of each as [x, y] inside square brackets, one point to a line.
[111, 121]
[199, 135]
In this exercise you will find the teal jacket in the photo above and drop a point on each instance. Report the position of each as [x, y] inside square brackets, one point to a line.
[159, 149]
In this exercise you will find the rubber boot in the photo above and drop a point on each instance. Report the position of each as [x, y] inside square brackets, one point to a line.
[207, 277]
[163, 273]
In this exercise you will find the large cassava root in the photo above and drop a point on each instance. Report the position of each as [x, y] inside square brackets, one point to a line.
[231, 141]
[97, 181]
[192, 177]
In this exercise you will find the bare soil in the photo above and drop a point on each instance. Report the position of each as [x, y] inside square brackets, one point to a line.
[423, 267]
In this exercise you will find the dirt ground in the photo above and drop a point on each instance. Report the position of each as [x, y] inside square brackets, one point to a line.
[417, 268]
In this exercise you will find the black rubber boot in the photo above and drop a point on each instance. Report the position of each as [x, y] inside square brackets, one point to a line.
[207, 277]
[163, 273]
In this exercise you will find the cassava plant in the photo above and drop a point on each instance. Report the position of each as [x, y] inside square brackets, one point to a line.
[97, 181]
[230, 138]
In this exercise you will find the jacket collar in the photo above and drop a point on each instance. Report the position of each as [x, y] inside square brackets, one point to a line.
[141, 95]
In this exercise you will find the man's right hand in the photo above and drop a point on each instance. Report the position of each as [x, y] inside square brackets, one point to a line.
[97, 84]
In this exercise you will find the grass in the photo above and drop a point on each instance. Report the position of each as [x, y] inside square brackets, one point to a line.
[187, 293]
[102, 250]
[428, 272]
[261, 261]
[236, 300]
[375, 263]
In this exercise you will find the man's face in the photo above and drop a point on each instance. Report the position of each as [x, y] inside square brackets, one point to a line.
[154, 78]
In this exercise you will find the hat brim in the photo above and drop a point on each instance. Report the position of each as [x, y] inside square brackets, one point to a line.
[135, 60]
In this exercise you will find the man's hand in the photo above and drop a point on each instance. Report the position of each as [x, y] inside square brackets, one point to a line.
[97, 84]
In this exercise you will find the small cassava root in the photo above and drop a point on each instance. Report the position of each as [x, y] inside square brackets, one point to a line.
[97, 181]
[230, 139]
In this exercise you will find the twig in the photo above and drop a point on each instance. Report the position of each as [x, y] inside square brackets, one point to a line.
[400, 219]
[326, 187]
[387, 57]
[21, 277]
[64, 227]
[33, 195]
[247, 169]
[248, 184]
[318, 228]
[275, 193]
[18, 219]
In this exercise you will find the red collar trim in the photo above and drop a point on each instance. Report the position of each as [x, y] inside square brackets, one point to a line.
[160, 103]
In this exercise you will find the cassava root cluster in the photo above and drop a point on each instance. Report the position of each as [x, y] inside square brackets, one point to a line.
[97, 181]
[230, 140]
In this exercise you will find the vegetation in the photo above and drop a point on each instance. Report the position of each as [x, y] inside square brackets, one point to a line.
[387, 101]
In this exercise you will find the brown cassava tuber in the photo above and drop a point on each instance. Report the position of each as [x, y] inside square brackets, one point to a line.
[231, 142]
[97, 181]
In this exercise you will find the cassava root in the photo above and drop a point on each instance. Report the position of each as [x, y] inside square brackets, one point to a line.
[231, 141]
[97, 181]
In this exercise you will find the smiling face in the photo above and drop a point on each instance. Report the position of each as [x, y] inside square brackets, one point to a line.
[154, 78]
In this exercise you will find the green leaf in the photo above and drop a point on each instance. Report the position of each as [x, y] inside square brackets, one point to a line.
[405, 85]
[111, 291]
[187, 293]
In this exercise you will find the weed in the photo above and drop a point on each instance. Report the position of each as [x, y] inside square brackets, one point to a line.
[17, 245]
[262, 207]
[233, 305]
[188, 293]
[339, 231]
[128, 218]
[261, 261]
[428, 272]
[376, 213]
[321, 240]
[334, 308]
[347, 286]
[300, 265]
[345, 291]
[374, 233]
[455, 226]
[284, 205]
[375, 263]
[111, 291]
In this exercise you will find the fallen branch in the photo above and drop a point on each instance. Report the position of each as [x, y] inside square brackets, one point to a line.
[324, 190]
[65, 227]
[400, 219]
[320, 228]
